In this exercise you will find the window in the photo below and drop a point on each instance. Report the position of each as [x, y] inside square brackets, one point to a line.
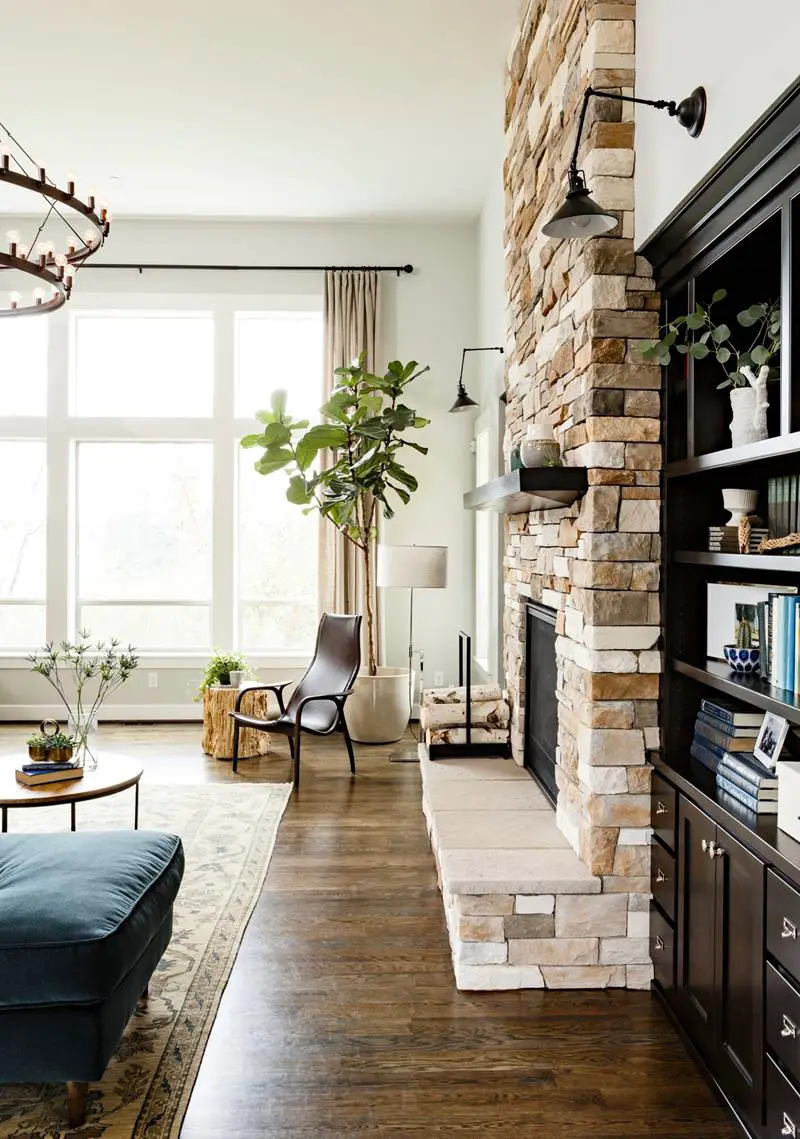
[144, 542]
[143, 364]
[277, 594]
[23, 523]
[158, 531]
[23, 366]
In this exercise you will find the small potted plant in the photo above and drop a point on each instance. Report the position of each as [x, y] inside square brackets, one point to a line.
[742, 657]
[50, 744]
[700, 334]
[219, 671]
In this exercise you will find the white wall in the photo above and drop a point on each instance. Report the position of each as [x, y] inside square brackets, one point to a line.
[743, 55]
[430, 315]
[489, 369]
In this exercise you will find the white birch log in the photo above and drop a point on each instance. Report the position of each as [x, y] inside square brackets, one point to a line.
[487, 713]
[458, 695]
[459, 736]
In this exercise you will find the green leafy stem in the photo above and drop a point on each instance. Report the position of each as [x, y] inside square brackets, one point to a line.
[700, 335]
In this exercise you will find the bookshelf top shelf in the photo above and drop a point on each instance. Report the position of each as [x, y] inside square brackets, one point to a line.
[765, 449]
[746, 688]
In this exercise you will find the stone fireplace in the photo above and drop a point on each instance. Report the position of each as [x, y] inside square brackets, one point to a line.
[535, 897]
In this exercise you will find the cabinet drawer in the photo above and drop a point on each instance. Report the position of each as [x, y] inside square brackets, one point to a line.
[783, 923]
[783, 1105]
[783, 1021]
[663, 872]
[663, 813]
[662, 949]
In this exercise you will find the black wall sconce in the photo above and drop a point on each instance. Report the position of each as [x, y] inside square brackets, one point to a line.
[582, 217]
[463, 402]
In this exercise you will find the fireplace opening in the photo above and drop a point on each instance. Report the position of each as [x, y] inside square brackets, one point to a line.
[541, 704]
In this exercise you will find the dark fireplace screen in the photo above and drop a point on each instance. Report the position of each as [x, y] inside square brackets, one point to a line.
[541, 705]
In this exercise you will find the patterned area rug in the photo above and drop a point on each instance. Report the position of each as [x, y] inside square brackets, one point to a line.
[228, 834]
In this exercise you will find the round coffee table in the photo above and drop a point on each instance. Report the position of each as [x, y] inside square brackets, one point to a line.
[115, 773]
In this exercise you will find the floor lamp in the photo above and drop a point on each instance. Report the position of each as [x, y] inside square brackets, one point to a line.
[412, 567]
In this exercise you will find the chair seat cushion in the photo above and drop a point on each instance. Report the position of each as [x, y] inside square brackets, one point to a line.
[77, 911]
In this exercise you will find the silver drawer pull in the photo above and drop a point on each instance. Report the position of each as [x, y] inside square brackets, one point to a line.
[660, 875]
[788, 1126]
[661, 808]
[659, 942]
[705, 846]
[789, 930]
[789, 1028]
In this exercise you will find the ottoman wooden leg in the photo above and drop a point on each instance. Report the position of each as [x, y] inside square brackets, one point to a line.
[76, 1103]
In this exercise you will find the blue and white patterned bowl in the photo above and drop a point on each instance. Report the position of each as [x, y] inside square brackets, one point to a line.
[742, 660]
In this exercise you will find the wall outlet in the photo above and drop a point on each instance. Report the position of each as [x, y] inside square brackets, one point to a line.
[152, 680]
[438, 680]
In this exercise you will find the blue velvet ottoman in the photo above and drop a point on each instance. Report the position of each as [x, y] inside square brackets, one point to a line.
[84, 920]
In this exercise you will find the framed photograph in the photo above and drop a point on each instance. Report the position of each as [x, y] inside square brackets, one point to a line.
[771, 736]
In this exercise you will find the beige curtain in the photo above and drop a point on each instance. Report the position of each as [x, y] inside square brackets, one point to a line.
[352, 318]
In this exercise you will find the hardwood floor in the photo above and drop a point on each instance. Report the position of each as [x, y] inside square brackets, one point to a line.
[341, 1017]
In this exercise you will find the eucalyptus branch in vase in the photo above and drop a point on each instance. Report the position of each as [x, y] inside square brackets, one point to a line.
[85, 664]
[701, 335]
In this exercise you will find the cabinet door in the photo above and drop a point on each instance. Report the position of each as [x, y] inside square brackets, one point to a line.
[696, 965]
[740, 972]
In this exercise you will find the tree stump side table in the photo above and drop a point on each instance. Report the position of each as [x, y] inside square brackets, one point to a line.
[218, 726]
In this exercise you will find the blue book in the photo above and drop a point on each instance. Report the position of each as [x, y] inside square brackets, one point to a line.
[746, 765]
[788, 634]
[760, 806]
[705, 755]
[732, 713]
[726, 727]
[757, 790]
[779, 640]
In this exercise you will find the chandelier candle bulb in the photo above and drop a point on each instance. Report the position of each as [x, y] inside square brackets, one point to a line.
[14, 298]
[90, 201]
[6, 157]
[42, 174]
[38, 295]
[71, 185]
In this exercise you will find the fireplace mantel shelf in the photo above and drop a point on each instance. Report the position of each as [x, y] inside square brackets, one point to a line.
[530, 488]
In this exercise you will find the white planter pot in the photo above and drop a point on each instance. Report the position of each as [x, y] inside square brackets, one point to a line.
[379, 709]
[749, 422]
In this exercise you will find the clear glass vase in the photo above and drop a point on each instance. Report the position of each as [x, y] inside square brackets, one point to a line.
[83, 729]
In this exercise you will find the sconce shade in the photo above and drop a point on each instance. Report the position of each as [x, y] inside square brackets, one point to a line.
[412, 567]
[580, 216]
[462, 401]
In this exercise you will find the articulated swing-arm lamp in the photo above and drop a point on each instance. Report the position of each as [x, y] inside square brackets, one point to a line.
[580, 216]
[463, 401]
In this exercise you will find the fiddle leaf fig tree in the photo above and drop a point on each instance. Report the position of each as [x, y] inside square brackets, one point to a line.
[349, 467]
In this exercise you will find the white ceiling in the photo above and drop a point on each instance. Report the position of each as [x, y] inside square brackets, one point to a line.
[262, 108]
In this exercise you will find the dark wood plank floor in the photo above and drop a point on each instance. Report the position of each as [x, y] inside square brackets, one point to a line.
[341, 1018]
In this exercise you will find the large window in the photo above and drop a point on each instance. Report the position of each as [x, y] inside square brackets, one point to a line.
[157, 529]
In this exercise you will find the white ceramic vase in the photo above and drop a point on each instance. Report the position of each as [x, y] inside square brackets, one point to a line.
[378, 711]
[739, 503]
[749, 421]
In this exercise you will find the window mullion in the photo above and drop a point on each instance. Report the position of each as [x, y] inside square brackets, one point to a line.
[224, 507]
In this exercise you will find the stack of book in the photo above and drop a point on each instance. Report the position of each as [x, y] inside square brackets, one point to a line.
[748, 782]
[779, 640]
[33, 774]
[725, 539]
[783, 509]
[723, 729]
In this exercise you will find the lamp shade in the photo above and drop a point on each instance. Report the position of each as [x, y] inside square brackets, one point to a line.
[412, 567]
[463, 401]
[580, 216]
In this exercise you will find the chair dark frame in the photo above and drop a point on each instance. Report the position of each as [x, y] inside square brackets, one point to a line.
[290, 721]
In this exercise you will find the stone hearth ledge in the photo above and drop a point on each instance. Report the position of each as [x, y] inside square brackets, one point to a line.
[522, 909]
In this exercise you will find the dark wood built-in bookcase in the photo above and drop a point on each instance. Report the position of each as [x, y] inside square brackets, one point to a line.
[725, 925]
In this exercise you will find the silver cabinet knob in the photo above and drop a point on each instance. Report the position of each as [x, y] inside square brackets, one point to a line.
[660, 875]
[715, 850]
[704, 846]
[788, 1028]
[788, 930]
[788, 1126]
[661, 808]
[659, 942]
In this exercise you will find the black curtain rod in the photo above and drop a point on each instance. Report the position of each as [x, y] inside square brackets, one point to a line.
[398, 269]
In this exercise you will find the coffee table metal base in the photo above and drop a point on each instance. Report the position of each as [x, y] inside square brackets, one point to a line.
[72, 816]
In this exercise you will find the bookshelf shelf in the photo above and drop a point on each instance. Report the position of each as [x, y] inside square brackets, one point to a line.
[778, 447]
[774, 563]
[748, 689]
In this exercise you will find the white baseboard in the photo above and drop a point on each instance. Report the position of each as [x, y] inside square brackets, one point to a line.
[122, 713]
